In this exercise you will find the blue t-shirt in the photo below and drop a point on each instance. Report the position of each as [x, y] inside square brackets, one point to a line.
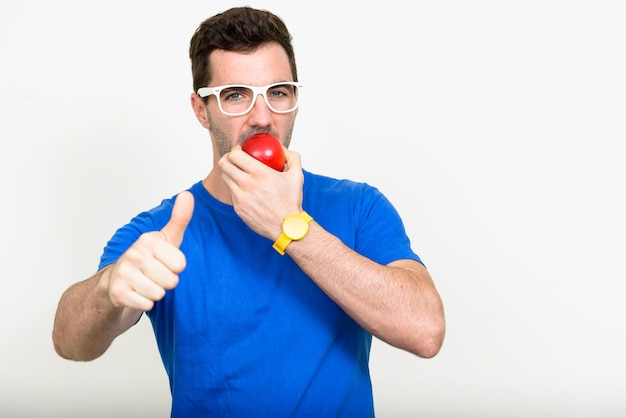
[246, 333]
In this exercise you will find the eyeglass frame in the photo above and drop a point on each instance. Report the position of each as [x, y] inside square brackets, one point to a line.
[257, 91]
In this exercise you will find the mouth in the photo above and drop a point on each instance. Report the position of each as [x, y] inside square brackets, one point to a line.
[244, 137]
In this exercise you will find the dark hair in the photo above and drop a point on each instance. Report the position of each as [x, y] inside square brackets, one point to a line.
[240, 29]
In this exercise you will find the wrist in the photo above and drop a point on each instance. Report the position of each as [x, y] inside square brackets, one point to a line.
[294, 228]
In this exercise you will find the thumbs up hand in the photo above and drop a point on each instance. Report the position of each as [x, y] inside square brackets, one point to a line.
[151, 265]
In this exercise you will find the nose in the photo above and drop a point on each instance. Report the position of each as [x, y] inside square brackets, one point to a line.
[260, 115]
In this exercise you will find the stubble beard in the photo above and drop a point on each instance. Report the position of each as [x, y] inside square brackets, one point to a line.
[222, 141]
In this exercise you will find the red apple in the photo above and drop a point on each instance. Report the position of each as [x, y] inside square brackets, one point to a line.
[267, 149]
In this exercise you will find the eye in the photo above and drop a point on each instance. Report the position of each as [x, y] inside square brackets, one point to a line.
[234, 94]
[281, 91]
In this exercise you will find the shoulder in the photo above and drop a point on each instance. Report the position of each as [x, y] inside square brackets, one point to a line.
[350, 200]
[156, 217]
[323, 184]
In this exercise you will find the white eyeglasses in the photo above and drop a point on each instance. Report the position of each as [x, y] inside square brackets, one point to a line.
[239, 99]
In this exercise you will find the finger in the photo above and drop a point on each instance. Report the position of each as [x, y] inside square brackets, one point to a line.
[232, 171]
[290, 155]
[124, 293]
[181, 215]
[130, 299]
[161, 271]
[292, 159]
[150, 278]
[243, 161]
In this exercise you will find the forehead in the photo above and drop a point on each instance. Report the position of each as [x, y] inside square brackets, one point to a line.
[266, 64]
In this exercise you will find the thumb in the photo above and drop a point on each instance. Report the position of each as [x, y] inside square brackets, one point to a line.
[181, 215]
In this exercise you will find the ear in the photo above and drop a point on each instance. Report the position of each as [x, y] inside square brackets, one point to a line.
[199, 109]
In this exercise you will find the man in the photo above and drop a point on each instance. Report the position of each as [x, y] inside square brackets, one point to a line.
[242, 329]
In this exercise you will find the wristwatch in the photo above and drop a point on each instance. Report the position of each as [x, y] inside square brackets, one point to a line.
[295, 227]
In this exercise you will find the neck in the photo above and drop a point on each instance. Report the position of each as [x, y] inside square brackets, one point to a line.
[216, 187]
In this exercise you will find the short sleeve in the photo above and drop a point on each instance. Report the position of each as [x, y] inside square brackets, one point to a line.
[126, 236]
[381, 235]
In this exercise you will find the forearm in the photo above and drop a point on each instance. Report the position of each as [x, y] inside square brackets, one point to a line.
[397, 303]
[86, 322]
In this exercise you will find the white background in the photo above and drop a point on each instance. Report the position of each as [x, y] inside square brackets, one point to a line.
[495, 127]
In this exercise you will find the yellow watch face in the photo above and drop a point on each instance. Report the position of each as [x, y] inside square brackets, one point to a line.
[295, 227]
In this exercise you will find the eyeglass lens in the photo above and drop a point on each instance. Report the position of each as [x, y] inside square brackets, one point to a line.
[240, 99]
